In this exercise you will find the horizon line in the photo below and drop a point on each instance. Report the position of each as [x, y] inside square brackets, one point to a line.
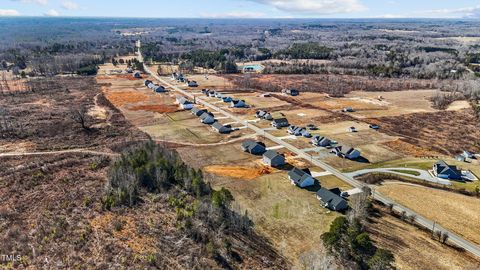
[240, 18]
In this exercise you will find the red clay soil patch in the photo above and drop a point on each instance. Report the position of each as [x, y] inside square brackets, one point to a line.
[122, 98]
[245, 173]
[156, 108]
[409, 149]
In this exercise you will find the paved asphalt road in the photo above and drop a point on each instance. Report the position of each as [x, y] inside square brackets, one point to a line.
[454, 238]
[423, 175]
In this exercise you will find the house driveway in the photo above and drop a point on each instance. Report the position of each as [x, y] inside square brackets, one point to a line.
[424, 175]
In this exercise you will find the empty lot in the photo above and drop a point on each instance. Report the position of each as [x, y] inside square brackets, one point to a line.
[455, 212]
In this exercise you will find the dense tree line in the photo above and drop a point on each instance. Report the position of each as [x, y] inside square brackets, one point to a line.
[204, 214]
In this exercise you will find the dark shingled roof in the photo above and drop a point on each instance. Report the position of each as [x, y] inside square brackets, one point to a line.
[271, 154]
[333, 200]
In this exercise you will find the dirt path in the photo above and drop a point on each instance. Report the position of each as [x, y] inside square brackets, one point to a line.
[205, 144]
[80, 150]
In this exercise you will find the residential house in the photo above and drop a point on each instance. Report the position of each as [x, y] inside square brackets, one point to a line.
[159, 89]
[280, 122]
[442, 170]
[301, 178]
[252, 147]
[227, 99]
[198, 112]
[273, 159]
[320, 141]
[221, 128]
[331, 200]
[268, 117]
[260, 114]
[192, 83]
[305, 133]
[207, 118]
[467, 154]
[184, 103]
[291, 92]
[147, 82]
[238, 104]
[352, 153]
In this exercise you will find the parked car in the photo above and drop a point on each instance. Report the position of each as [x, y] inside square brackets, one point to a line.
[373, 126]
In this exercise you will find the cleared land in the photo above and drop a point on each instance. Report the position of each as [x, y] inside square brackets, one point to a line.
[447, 132]
[456, 212]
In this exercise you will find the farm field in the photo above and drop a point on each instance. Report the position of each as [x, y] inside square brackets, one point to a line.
[455, 212]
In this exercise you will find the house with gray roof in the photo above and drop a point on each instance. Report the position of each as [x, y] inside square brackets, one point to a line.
[442, 170]
[268, 117]
[331, 200]
[318, 140]
[273, 159]
[197, 111]
[280, 122]
[349, 153]
[260, 114]
[184, 103]
[207, 118]
[301, 178]
[221, 128]
[227, 99]
[253, 147]
[238, 104]
[291, 92]
[352, 153]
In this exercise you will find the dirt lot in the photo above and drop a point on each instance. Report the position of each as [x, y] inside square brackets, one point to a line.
[414, 248]
[456, 212]
[246, 173]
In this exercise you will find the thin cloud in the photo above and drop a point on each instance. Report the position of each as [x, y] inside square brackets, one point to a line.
[51, 13]
[466, 12]
[40, 2]
[70, 5]
[315, 7]
[9, 12]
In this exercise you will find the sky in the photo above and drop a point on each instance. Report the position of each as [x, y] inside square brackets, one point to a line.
[244, 8]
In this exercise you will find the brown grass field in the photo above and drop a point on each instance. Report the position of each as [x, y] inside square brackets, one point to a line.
[414, 248]
[436, 131]
[456, 212]
[156, 108]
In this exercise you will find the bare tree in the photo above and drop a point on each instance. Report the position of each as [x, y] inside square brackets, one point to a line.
[80, 116]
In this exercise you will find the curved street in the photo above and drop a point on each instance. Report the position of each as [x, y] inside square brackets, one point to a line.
[423, 175]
